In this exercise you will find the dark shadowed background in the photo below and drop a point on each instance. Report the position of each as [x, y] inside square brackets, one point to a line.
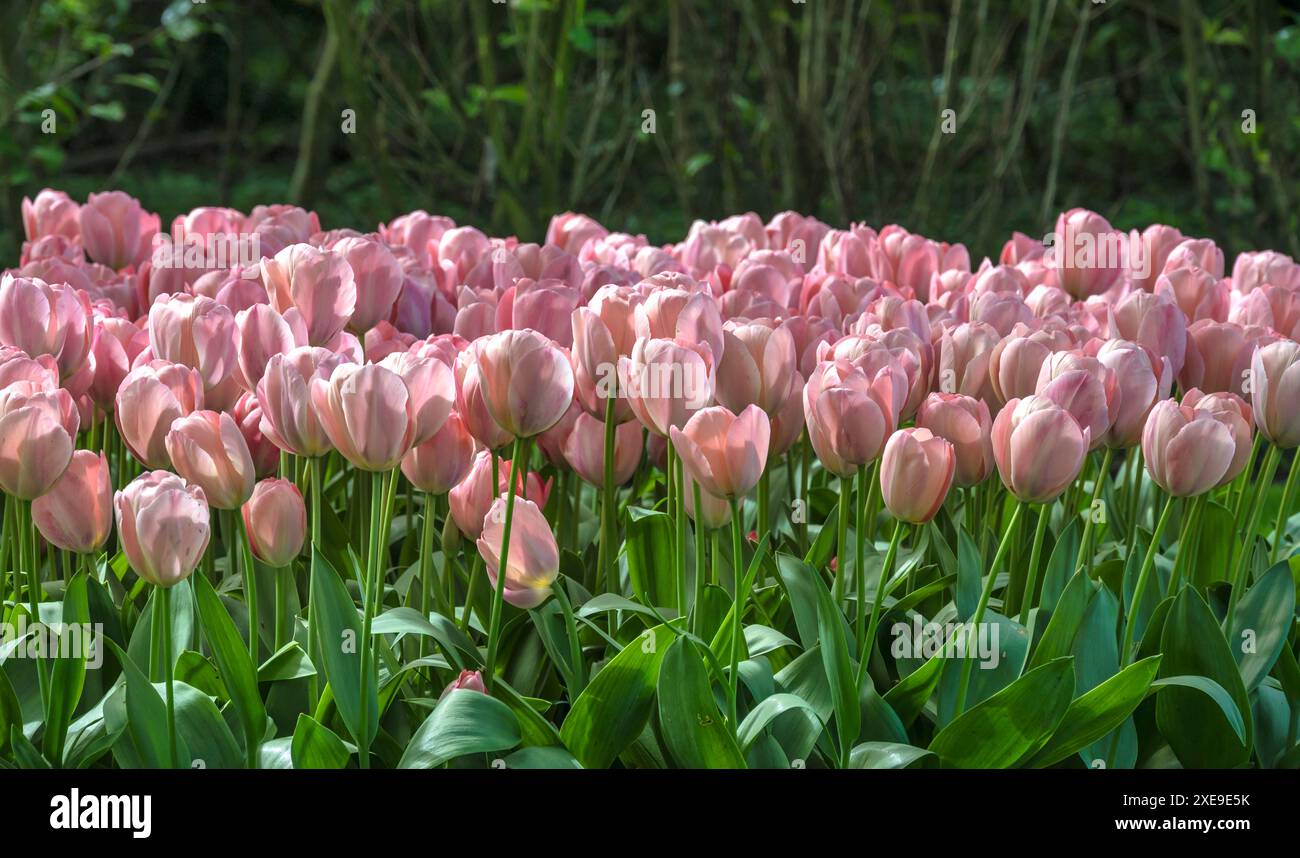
[500, 114]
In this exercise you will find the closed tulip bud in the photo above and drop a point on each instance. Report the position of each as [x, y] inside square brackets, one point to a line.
[1143, 380]
[724, 452]
[1198, 293]
[471, 498]
[1154, 321]
[667, 382]
[1086, 255]
[962, 360]
[1015, 364]
[263, 333]
[163, 527]
[276, 520]
[288, 417]
[584, 450]
[849, 415]
[151, 398]
[38, 426]
[51, 213]
[196, 332]
[116, 231]
[468, 680]
[378, 277]
[602, 333]
[1275, 392]
[208, 450]
[248, 416]
[117, 344]
[526, 379]
[916, 471]
[367, 412]
[1187, 451]
[437, 464]
[1232, 411]
[76, 514]
[432, 386]
[318, 284]
[965, 423]
[1038, 447]
[1083, 386]
[676, 314]
[472, 405]
[1218, 356]
[46, 319]
[788, 421]
[532, 559]
[758, 359]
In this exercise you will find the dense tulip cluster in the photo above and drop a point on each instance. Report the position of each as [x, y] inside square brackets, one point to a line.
[336, 382]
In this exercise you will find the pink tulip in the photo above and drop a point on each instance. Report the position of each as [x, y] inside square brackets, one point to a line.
[195, 332]
[318, 285]
[1143, 379]
[117, 344]
[758, 359]
[368, 414]
[1264, 268]
[468, 680]
[439, 463]
[432, 387]
[472, 405]
[1198, 293]
[1218, 356]
[585, 450]
[51, 213]
[151, 397]
[1148, 251]
[570, 231]
[533, 558]
[1187, 451]
[1275, 392]
[116, 231]
[849, 415]
[788, 421]
[667, 382]
[602, 333]
[526, 379]
[163, 527]
[378, 276]
[15, 365]
[965, 423]
[276, 520]
[725, 453]
[288, 417]
[714, 512]
[1087, 255]
[46, 319]
[1038, 447]
[1154, 321]
[38, 428]
[1199, 253]
[76, 514]
[247, 412]
[1016, 362]
[916, 472]
[207, 449]
[1083, 386]
[1232, 411]
[676, 314]
[962, 360]
[261, 334]
[544, 306]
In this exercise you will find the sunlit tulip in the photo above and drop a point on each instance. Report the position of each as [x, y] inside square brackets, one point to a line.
[1143, 379]
[965, 423]
[667, 381]
[195, 332]
[38, 428]
[276, 520]
[714, 512]
[1087, 255]
[849, 415]
[208, 450]
[368, 414]
[526, 379]
[1275, 392]
[584, 449]
[1218, 356]
[15, 365]
[443, 460]
[288, 417]
[46, 319]
[378, 280]
[318, 284]
[724, 452]
[432, 387]
[162, 526]
[1198, 293]
[151, 397]
[916, 471]
[1233, 412]
[115, 230]
[533, 558]
[51, 213]
[117, 344]
[676, 314]
[76, 514]
[1038, 447]
[758, 360]
[472, 406]
[962, 360]
[1187, 451]
[603, 332]
[262, 333]
[1083, 386]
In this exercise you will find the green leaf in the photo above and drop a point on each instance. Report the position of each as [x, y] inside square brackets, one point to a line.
[68, 674]
[1071, 605]
[887, 755]
[1011, 724]
[340, 644]
[819, 553]
[614, 707]
[542, 757]
[11, 713]
[695, 732]
[1262, 623]
[231, 654]
[146, 718]
[287, 663]
[768, 710]
[968, 575]
[839, 671]
[463, 722]
[649, 540]
[1060, 567]
[316, 746]
[1215, 692]
[909, 696]
[1096, 713]
[204, 739]
[1201, 732]
[454, 642]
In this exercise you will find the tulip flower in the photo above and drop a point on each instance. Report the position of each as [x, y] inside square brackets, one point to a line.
[318, 285]
[1083, 386]
[117, 343]
[51, 213]
[46, 319]
[368, 414]
[472, 497]
[116, 231]
[208, 450]
[532, 561]
[432, 387]
[667, 381]
[527, 381]
[1275, 392]
[151, 398]
[1038, 447]
[38, 428]
[965, 423]
[584, 449]
[262, 333]
[1086, 256]
[1187, 451]
[757, 363]
[1232, 411]
[76, 514]
[849, 415]
[378, 277]
[275, 519]
[162, 524]
[1142, 379]
[468, 680]
[288, 417]
[724, 452]
[440, 462]
[916, 471]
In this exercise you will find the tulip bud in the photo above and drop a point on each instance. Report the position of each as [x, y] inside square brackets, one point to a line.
[76, 514]
[916, 472]
[965, 423]
[276, 520]
[1275, 392]
[38, 428]
[725, 453]
[1038, 447]
[367, 412]
[208, 450]
[163, 527]
[533, 558]
[1187, 451]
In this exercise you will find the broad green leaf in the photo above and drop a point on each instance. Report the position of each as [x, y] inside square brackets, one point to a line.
[968, 575]
[839, 671]
[649, 541]
[1215, 692]
[146, 718]
[542, 757]
[1096, 713]
[463, 722]
[68, 672]
[288, 662]
[340, 643]
[455, 643]
[695, 732]
[887, 755]
[1066, 617]
[201, 732]
[231, 654]
[909, 696]
[1264, 618]
[770, 708]
[316, 746]
[1060, 566]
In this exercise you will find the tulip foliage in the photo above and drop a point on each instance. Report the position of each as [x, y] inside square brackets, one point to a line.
[778, 495]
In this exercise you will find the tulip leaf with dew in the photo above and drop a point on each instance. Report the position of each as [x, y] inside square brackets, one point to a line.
[237, 672]
[1201, 731]
[463, 722]
[455, 644]
[339, 637]
[542, 757]
[910, 694]
[768, 710]
[144, 742]
[1057, 639]
[648, 550]
[1097, 712]
[1010, 725]
[316, 746]
[692, 726]
[840, 674]
[287, 663]
[890, 755]
[1262, 623]
[68, 675]
[994, 667]
[613, 708]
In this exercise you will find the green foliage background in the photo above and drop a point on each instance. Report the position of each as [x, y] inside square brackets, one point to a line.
[501, 114]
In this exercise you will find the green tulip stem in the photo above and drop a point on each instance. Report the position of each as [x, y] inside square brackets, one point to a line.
[313, 633]
[164, 618]
[842, 538]
[738, 609]
[1244, 548]
[679, 509]
[859, 556]
[239, 534]
[886, 570]
[1008, 536]
[498, 597]
[698, 604]
[1188, 543]
[1084, 558]
[1148, 563]
[606, 550]
[1035, 557]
